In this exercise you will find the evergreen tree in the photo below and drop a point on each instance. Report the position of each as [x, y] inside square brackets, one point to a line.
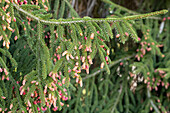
[54, 60]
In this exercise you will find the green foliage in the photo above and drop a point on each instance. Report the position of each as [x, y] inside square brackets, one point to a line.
[48, 50]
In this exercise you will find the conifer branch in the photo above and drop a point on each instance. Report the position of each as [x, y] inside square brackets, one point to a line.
[88, 19]
[17, 91]
[50, 52]
[111, 64]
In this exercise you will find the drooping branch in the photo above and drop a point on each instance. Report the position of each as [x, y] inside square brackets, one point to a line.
[87, 19]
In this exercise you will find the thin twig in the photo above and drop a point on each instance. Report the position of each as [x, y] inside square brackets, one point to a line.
[111, 64]
[117, 100]
[128, 10]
